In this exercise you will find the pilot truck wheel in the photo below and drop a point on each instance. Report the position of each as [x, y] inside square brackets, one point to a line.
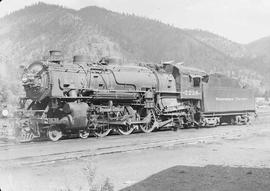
[54, 133]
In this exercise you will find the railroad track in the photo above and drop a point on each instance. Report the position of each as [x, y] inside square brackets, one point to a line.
[263, 114]
[79, 154]
[13, 145]
[10, 144]
[96, 147]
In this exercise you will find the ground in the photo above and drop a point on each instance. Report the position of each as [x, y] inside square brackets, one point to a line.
[208, 178]
[177, 165]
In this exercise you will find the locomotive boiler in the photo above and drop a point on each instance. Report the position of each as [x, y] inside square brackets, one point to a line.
[97, 98]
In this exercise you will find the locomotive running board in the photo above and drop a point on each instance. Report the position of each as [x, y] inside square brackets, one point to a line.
[226, 113]
[123, 122]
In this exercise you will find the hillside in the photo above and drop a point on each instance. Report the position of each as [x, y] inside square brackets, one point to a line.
[93, 30]
[222, 44]
[28, 34]
[260, 48]
[154, 41]
[31, 32]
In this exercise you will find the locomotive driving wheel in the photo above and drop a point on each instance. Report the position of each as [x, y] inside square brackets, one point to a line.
[151, 125]
[128, 116]
[126, 129]
[102, 131]
[54, 133]
[101, 126]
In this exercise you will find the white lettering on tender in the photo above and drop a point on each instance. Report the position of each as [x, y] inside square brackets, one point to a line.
[224, 99]
[231, 99]
[241, 99]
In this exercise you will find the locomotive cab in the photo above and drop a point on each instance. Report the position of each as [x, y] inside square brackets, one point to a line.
[188, 80]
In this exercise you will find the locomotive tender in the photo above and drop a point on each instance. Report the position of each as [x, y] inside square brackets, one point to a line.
[98, 98]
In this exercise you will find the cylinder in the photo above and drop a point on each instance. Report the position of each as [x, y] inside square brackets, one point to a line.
[77, 113]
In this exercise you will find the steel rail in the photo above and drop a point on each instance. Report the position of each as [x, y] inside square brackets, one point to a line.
[75, 155]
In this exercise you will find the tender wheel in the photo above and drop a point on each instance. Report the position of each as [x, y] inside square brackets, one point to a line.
[54, 133]
[84, 134]
[125, 129]
[151, 125]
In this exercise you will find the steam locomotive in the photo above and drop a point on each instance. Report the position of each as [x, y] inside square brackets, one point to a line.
[97, 98]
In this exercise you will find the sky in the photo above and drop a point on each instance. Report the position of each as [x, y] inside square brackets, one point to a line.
[241, 21]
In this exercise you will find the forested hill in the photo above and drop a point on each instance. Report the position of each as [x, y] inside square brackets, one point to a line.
[92, 30]
[151, 40]
[27, 34]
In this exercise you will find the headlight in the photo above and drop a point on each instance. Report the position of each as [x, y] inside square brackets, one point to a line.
[5, 112]
[24, 79]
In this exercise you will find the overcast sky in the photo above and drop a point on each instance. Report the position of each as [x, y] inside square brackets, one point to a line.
[238, 20]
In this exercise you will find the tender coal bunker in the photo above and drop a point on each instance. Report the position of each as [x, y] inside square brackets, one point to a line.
[220, 80]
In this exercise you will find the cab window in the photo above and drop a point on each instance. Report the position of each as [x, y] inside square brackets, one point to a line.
[196, 82]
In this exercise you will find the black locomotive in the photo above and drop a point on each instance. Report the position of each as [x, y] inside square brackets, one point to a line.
[84, 98]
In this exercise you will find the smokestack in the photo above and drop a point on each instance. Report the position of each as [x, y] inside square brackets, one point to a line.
[55, 56]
